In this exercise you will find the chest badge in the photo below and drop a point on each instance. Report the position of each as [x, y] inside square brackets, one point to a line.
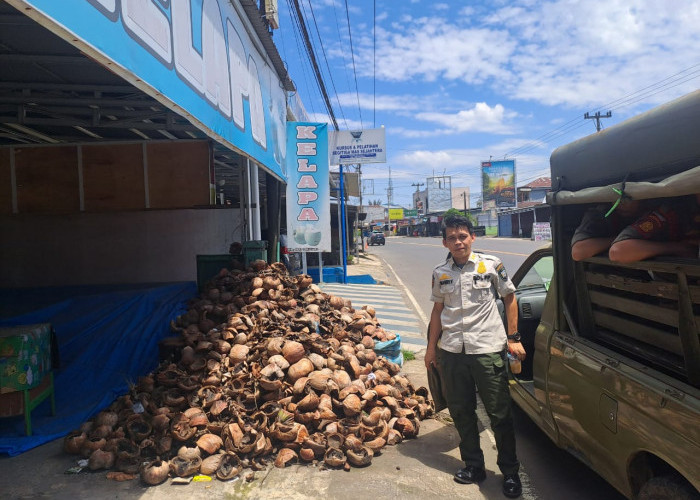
[481, 268]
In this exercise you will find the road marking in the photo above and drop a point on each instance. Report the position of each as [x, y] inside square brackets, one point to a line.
[410, 295]
[392, 311]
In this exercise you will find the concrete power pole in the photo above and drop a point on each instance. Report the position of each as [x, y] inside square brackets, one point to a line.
[389, 196]
[597, 116]
[418, 185]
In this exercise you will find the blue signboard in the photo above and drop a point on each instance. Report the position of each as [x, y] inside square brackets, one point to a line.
[195, 56]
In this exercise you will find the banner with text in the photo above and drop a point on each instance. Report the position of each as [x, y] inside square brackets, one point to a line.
[308, 190]
[349, 147]
[498, 183]
[395, 213]
[199, 59]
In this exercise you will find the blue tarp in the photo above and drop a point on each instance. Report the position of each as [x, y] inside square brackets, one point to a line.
[361, 279]
[106, 338]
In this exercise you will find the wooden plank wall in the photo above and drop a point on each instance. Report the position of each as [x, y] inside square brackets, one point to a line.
[47, 179]
[108, 177]
[178, 173]
[113, 177]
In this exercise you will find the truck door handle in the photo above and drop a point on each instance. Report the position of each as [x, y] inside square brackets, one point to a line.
[567, 340]
[675, 394]
[612, 362]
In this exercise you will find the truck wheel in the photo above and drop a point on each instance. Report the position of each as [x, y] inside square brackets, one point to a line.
[670, 487]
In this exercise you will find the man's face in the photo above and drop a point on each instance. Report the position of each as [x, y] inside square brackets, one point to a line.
[459, 242]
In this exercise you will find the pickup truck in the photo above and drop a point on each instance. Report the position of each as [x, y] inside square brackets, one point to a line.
[613, 367]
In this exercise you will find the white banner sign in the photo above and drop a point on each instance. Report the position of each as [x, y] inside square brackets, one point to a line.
[308, 190]
[349, 147]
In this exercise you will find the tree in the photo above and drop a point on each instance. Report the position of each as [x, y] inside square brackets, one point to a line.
[458, 213]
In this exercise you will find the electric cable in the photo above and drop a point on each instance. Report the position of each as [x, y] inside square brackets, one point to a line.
[354, 70]
[330, 73]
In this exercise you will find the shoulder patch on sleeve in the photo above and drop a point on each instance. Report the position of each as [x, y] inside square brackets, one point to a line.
[501, 270]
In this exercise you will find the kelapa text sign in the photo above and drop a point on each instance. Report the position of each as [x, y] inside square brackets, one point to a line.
[308, 190]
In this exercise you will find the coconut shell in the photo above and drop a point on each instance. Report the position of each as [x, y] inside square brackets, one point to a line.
[211, 464]
[300, 369]
[229, 467]
[73, 442]
[238, 353]
[334, 457]
[155, 472]
[293, 351]
[284, 457]
[360, 457]
[100, 459]
[308, 403]
[210, 443]
[352, 405]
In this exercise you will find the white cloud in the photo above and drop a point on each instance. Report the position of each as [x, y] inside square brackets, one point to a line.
[558, 52]
[480, 118]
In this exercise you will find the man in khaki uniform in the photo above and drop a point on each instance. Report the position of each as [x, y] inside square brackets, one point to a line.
[466, 321]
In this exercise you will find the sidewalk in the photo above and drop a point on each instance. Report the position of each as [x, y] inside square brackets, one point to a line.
[420, 468]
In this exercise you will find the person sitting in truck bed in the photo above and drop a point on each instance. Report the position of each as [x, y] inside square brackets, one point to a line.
[669, 228]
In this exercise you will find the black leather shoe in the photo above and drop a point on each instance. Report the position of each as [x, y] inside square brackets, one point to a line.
[470, 474]
[512, 488]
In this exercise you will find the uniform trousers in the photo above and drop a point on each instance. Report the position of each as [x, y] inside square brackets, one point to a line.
[487, 372]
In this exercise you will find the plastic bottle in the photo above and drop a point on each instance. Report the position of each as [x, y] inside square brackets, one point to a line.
[515, 366]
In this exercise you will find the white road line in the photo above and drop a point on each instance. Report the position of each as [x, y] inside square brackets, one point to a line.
[410, 295]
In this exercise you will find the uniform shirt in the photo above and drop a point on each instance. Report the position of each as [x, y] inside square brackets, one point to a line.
[470, 319]
[672, 220]
[594, 224]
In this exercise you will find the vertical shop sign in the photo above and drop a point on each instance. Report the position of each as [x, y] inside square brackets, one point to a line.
[308, 190]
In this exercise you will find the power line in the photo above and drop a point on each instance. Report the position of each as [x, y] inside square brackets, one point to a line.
[342, 48]
[667, 83]
[314, 64]
[352, 52]
[374, 64]
[330, 73]
[300, 50]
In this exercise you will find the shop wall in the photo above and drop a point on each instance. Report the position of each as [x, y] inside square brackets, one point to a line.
[111, 248]
[104, 177]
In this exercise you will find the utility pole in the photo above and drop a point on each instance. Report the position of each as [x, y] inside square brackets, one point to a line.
[597, 116]
[418, 185]
[464, 198]
[389, 195]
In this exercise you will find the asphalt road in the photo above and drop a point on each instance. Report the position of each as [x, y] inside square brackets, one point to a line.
[553, 473]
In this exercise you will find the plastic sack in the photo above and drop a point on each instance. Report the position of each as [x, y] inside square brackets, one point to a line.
[390, 349]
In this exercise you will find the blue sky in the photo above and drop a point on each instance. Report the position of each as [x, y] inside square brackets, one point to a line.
[455, 83]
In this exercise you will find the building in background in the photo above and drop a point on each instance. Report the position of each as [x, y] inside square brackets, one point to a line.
[461, 198]
[532, 216]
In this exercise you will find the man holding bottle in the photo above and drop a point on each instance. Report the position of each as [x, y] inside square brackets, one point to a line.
[473, 341]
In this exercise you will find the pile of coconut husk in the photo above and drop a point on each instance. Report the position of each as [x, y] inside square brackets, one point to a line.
[266, 368]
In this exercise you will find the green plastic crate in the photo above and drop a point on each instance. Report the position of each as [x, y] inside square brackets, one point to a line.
[254, 250]
[209, 266]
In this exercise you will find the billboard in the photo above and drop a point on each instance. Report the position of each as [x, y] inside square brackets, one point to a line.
[395, 213]
[197, 58]
[498, 183]
[308, 189]
[439, 193]
[350, 147]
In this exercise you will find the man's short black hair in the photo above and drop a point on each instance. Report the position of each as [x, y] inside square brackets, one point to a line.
[456, 221]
